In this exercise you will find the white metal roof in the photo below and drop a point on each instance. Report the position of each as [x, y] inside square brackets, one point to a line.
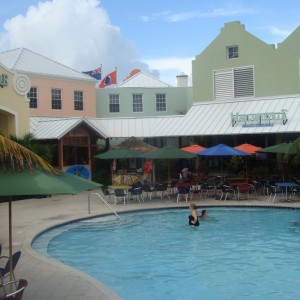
[142, 79]
[209, 118]
[137, 127]
[214, 118]
[44, 128]
[29, 62]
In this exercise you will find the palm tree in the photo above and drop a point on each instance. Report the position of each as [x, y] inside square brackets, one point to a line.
[13, 155]
[28, 141]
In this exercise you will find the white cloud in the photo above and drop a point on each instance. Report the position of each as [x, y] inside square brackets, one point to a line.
[76, 33]
[229, 10]
[170, 67]
[279, 32]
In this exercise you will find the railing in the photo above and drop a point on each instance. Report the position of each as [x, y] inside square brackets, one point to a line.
[89, 205]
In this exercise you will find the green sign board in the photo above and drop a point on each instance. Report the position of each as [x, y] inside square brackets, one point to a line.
[259, 119]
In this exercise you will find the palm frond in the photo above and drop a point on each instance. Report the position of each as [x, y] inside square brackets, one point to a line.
[14, 155]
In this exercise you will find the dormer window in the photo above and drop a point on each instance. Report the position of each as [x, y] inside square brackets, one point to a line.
[232, 52]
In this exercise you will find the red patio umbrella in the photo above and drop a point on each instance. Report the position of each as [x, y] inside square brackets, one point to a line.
[193, 148]
[251, 149]
[248, 148]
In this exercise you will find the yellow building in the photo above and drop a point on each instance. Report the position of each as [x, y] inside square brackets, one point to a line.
[14, 104]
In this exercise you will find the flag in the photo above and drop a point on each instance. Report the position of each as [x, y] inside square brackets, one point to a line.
[109, 79]
[94, 73]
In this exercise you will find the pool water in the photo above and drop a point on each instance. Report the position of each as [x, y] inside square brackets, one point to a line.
[237, 254]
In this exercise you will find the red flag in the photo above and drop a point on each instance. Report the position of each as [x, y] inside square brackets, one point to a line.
[109, 79]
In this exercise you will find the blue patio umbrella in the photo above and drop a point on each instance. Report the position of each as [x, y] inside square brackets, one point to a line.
[221, 150]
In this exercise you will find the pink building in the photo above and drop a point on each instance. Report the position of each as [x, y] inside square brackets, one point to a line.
[56, 90]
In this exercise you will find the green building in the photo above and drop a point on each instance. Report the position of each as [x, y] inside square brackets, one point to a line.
[142, 95]
[238, 65]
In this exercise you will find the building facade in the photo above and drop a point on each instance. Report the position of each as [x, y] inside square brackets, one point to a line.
[244, 90]
[56, 90]
[142, 95]
[50, 89]
[238, 65]
[14, 104]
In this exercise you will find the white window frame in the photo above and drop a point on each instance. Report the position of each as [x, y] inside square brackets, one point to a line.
[55, 102]
[137, 103]
[32, 97]
[232, 52]
[161, 106]
[78, 102]
[114, 101]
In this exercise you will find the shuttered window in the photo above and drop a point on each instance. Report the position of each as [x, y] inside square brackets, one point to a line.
[233, 83]
[223, 82]
[243, 82]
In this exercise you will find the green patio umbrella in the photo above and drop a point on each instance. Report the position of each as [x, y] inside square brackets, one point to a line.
[22, 172]
[121, 153]
[38, 182]
[34, 182]
[168, 153]
[282, 148]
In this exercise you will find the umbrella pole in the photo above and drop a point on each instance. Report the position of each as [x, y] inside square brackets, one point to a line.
[246, 171]
[153, 173]
[10, 238]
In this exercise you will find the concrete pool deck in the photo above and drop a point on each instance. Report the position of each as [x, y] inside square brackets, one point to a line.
[51, 280]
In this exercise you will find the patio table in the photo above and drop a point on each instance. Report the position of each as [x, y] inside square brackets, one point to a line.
[286, 185]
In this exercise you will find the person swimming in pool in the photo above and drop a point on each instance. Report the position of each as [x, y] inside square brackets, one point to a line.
[203, 214]
[194, 216]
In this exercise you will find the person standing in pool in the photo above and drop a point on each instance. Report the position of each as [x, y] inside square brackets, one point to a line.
[194, 216]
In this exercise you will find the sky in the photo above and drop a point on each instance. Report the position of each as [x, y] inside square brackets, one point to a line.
[159, 37]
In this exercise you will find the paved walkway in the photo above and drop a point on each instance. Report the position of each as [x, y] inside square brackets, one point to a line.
[51, 280]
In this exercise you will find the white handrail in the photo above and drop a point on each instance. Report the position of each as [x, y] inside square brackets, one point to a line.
[89, 205]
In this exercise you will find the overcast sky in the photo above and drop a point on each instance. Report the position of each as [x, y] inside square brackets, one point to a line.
[158, 37]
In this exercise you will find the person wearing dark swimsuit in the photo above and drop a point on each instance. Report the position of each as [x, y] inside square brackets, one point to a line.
[194, 216]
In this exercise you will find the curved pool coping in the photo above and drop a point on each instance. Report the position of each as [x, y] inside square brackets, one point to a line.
[109, 292]
[100, 290]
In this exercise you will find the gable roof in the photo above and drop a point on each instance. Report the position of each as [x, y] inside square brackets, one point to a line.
[47, 128]
[143, 80]
[31, 63]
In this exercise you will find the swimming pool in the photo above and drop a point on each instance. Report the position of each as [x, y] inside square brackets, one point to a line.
[240, 254]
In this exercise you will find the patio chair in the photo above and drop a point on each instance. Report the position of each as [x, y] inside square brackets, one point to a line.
[206, 189]
[108, 193]
[4, 272]
[137, 193]
[183, 191]
[162, 189]
[227, 192]
[273, 191]
[13, 290]
[243, 189]
[120, 193]
[148, 190]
